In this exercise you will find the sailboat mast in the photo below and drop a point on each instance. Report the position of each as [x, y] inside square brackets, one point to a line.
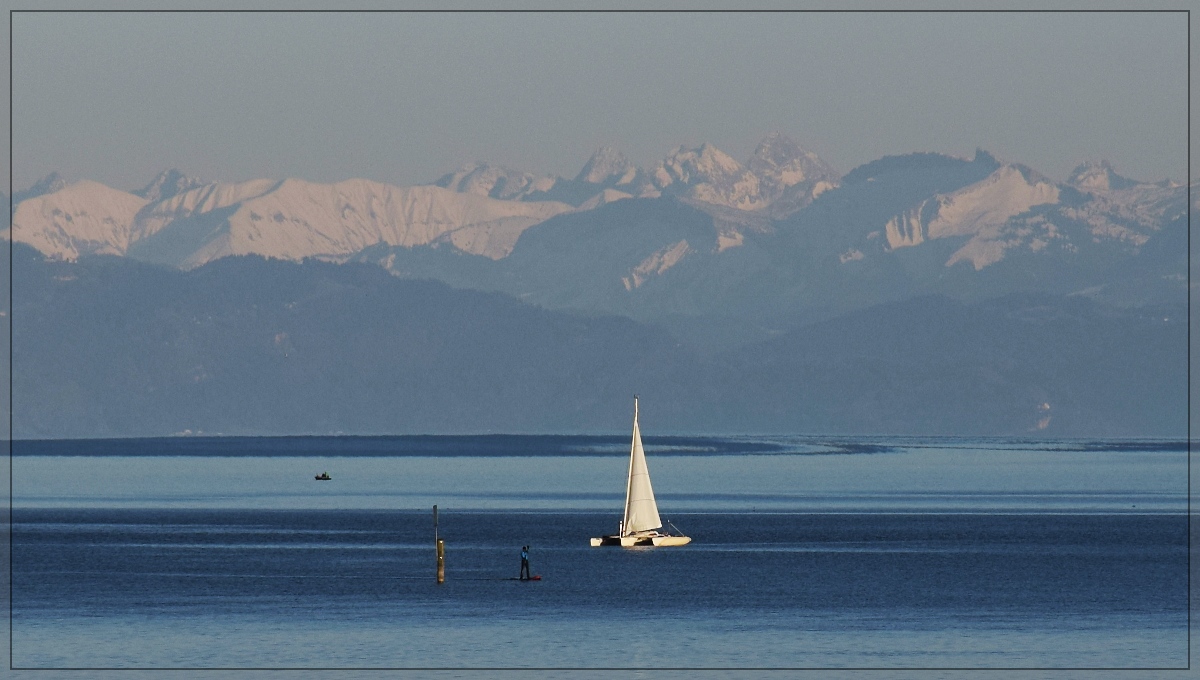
[629, 477]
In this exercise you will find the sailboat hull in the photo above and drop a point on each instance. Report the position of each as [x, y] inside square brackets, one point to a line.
[666, 541]
[649, 539]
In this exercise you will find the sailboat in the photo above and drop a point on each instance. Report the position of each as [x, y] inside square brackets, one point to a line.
[641, 523]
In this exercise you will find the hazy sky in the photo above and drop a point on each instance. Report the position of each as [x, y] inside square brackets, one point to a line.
[403, 98]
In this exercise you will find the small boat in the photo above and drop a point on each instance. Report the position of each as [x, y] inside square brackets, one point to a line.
[323, 476]
[641, 524]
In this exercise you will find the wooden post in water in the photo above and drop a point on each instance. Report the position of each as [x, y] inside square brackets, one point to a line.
[441, 550]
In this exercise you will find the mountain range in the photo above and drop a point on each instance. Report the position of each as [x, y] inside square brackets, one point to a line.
[109, 347]
[718, 278]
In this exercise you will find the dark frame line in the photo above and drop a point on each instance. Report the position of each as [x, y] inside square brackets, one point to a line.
[12, 13]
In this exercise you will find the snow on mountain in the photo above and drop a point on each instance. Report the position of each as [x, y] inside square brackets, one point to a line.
[780, 178]
[46, 185]
[1098, 176]
[710, 175]
[168, 183]
[494, 181]
[608, 167]
[493, 239]
[656, 264]
[83, 218]
[979, 211]
[789, 176]
[781, 175]
[1121, 208]
[300, 219]
[603, 198]
[292, 220]
[197, 201]
[996, 216]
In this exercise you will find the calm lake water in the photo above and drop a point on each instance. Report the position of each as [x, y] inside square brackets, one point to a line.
[807, 553]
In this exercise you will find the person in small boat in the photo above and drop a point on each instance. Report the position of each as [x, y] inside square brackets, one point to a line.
[524, 563]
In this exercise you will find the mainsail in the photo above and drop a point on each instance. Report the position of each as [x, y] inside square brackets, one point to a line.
[641, 512]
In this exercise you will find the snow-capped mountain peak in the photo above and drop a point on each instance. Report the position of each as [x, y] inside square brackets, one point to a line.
[1094, 176]
[710, 175]
[704, 164]
[290, 219]
[781, 176]
[787, 171]
[78, 219]
[609, 167]
[980, 212]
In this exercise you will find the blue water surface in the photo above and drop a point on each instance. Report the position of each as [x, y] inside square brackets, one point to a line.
[806, 553]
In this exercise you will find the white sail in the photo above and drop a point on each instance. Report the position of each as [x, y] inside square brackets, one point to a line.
[641, 512]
